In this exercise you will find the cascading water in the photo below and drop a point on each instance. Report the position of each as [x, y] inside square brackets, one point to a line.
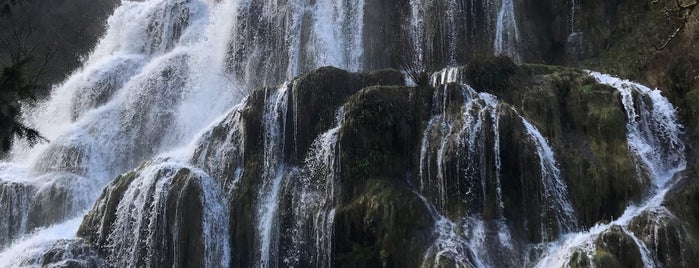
[313, 201]
[653, 130]
[14, 202]
[276, 41]
[440, 30]
[555, 192]
[654, 137]
[465, 144]
[141, 94]
[276, 108]
[506, 32]
[163, 84]
[143, 216]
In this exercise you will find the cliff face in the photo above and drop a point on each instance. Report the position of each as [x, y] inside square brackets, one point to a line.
[496, 163]
[348, 169]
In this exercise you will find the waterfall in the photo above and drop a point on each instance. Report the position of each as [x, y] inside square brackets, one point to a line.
[464, 144]
[314, 201]
[28, 250]
[15, 204]
[654, 137]
[442, 32]
[221, 149]
[507, 33]
[143, 217]
[555, 191]
[273, 174]
[277, 40]
[153, 138]
[163, 71]
[653, 131]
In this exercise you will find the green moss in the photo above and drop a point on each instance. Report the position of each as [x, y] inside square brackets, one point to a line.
[579, 260]
[384, 226]
[496, 75]
[684, 203]
[543, 69]
[603, 258]
[380, 133]
[319, 93]
[692, 108]
[586, 125]
[617, 249]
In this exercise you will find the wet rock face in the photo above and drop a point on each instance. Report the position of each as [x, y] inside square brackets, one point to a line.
[68, 254]
[14, 203]
[384, 213]
[679, 229]
[234, 151]
[622, 250]
[667, 237]
[585, 124]
[387, 225]
[379, 136]
[153, 211]
[317, 95]
[380, 221]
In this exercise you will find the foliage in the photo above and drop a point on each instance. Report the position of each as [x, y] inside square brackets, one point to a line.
[16, 87]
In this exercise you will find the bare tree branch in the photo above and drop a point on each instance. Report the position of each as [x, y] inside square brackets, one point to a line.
[680, 15]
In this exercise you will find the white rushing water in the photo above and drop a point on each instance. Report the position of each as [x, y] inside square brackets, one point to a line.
[23, 251]
[276, 108]
[466, 142]
[142, 216]
[165, 87]
[555, 190]
[506, 32]
[160, 75]
[654, 137]
[314, 202]
[444, 29]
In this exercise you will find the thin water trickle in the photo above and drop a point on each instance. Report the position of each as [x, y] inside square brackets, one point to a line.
[274, 172]
[506, 33]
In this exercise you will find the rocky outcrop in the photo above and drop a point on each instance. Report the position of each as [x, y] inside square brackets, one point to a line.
[158, 215]
[585, 124]
[14, 203]
[238, 149]
[380, 221]
[408, 173]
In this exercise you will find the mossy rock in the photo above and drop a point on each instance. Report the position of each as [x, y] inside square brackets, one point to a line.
[667, 238]
[615, 248]
[580, 259]
[495, 75]
[98, 222]
[380, 135]
[522, 189]
[683, 231]
[386, 225]
[586, 125]
[603, 258]
[318, 94]
[179, 243]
